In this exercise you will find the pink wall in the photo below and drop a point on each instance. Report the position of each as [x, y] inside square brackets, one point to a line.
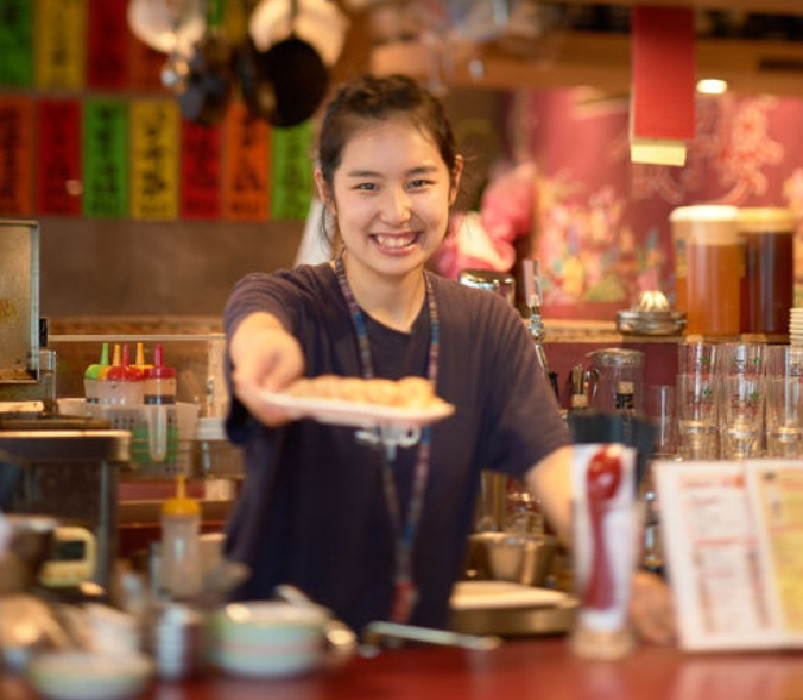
[602, 229]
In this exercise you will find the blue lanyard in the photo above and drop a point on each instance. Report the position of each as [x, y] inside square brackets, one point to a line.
[405, 594]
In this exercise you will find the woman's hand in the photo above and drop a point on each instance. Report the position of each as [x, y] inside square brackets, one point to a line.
[651, 610]
[265, 357]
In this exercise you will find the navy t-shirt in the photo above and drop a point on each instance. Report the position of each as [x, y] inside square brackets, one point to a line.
[312, 510]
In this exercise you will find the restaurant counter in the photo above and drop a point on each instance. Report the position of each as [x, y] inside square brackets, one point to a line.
[543, 668]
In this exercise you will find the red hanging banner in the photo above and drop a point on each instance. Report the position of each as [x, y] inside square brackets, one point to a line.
[664, 70]
[200, 171]
[59, 157]
[107, 37]
[16, 147]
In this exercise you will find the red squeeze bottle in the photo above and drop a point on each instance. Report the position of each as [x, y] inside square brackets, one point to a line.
[160, 380]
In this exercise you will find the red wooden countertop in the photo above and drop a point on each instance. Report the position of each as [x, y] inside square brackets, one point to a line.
[544, 669]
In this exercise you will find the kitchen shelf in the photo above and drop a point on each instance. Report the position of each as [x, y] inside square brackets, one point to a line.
[564, 59]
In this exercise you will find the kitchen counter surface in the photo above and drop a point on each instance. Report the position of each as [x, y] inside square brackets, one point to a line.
[543, 668]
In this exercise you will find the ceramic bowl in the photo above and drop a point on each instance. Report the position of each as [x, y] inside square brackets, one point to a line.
[88, 676]
[268, 639]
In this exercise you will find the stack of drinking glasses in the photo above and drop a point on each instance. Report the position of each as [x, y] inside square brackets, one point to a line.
[739, 401]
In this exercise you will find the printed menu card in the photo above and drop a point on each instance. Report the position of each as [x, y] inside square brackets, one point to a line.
[733, 540]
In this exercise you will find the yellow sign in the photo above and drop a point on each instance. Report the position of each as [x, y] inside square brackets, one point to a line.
[154, 159]
[60, 37]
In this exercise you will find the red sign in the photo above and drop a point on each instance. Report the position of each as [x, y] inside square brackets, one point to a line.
[200, 171]
[107, 50]
[16, 147]
[59, 163]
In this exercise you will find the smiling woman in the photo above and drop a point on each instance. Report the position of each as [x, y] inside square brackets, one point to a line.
[370, 533]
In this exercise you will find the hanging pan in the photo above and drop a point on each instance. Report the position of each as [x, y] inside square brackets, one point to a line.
[286, 83]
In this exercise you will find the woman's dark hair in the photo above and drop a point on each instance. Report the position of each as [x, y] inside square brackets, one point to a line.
[381, 97]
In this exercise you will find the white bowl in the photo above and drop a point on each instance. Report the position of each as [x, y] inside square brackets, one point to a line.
[87, 676]
[268, 639]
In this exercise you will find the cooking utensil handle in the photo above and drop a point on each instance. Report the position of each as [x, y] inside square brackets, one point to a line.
[374, 632]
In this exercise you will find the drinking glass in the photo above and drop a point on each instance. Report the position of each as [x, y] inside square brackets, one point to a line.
[784, 402]
[740, 370]
[741, 416]
[661, 413]
[696, 402]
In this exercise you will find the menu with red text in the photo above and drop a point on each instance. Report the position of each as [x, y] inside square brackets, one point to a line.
[733, 539]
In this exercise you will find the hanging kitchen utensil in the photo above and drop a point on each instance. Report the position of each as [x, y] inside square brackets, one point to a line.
[318, 22]
[208, 83]
[286, 84]
[167, 25]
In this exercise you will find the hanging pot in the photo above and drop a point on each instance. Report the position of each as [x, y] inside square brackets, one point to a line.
[286, 83]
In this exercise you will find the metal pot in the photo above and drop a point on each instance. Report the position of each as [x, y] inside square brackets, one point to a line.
[501, 556]
[521, 559]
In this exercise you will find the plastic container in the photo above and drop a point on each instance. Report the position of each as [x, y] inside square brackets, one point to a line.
[180, 567]
[160, 381]
[92, 375]
[767, 234]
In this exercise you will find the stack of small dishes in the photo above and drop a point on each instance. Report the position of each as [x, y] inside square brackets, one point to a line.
[796, 325]
[268, 639]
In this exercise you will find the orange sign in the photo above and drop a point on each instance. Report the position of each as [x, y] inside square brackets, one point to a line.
[245, 180]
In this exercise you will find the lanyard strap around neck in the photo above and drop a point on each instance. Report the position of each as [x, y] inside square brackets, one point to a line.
[405, 593]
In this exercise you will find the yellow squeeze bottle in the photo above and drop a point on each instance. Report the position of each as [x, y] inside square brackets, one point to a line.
[181, 552]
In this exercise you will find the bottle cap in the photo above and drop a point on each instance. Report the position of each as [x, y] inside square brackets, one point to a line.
[140, 363]
[121, 370]
[159, 369]
[94, 370]
[180, 505]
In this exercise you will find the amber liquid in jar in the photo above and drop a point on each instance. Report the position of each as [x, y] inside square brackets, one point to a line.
[709, 264]
[767, 287]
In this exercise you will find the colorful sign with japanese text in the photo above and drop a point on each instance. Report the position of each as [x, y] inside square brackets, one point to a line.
[16, 43]
[60, 41]
[105, 158]
[16, 149]
[154, 159]
[200, 171]
[59, 157]
[291, 172]
[245, 179]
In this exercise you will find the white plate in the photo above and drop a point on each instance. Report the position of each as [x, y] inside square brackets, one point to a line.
[337, 412]
[482, 595]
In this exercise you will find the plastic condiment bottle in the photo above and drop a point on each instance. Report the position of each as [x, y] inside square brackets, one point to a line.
[160, 380]
[124, 383]
[92, 375]
[180, 568]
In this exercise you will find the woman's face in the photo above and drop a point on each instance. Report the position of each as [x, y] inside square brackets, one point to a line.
[391, 197]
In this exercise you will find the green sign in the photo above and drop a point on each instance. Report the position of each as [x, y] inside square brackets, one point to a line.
[105, 159]
[291, 172]
[16, 42]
